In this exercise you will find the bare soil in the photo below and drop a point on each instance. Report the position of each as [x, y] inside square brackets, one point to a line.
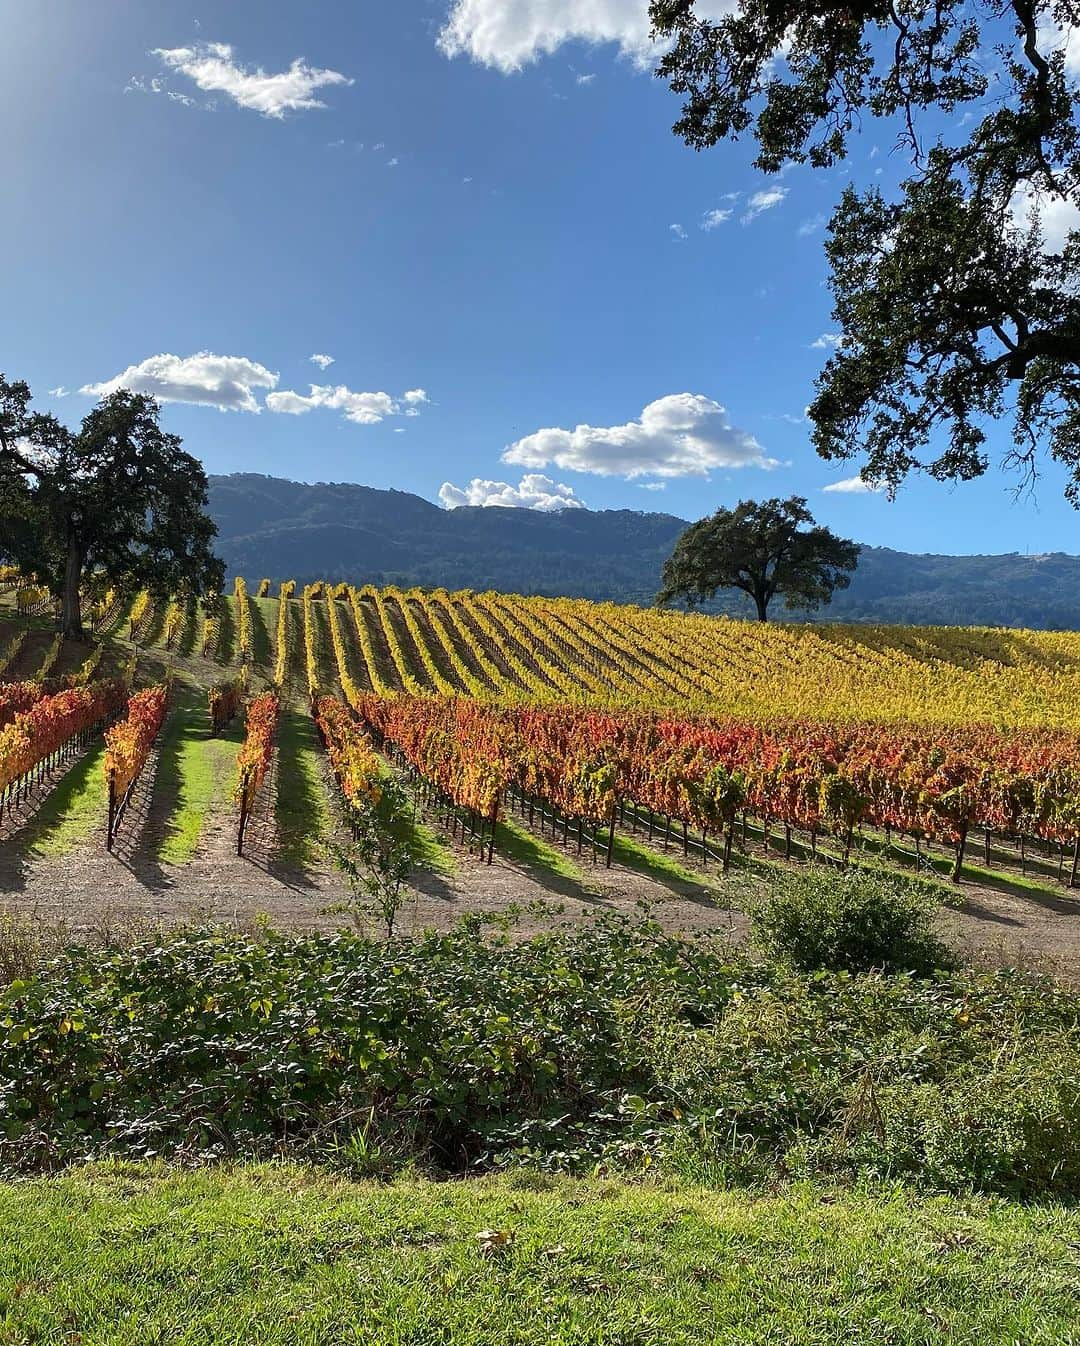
[89, 890]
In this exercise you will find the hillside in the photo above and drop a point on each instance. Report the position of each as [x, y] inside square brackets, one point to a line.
[334, 531]
[339, 531]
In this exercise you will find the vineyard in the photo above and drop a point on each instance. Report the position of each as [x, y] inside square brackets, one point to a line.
[592, 736]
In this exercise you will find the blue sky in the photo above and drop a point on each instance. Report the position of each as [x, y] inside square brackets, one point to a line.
[486, 252]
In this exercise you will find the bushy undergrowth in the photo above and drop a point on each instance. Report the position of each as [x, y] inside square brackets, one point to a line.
[850, 922]
[611, 1044]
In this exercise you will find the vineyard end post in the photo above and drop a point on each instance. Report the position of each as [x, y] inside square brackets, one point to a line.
[243, 813]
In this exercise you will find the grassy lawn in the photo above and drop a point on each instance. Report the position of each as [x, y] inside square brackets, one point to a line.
[664, 868]
[263, 624]
[73, 810]
[539, 854]
[534, 853]
[196, 773]
[301, 808]
[432, 848]
[113, 1255]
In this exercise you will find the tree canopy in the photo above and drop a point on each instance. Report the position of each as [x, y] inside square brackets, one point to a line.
[119, 499]
[958, 301]
[764, 550]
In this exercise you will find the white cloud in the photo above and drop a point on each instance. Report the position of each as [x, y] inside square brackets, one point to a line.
[854, 486]
[1056, 216]
[828, 341]
[1053, 38]
[360, 408]
[812, 225]
[678, 232]
[139, 84]
[652, 485]
[761, 201]
[60, 392]
[510, 34]
[585, 79]
[323, 361]
[713, 219]
[212, 68]
[535, 492]
[393, 163]
[682, 435]
[228, 382]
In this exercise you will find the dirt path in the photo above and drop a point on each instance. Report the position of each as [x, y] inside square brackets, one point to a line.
[89, 889]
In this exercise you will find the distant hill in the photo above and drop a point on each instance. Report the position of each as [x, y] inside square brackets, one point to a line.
[338, 531]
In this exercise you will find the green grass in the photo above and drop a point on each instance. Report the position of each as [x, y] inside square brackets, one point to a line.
[190, 631]
[73, 811]
[325, 662]
[263, 622]
[126, 1256]
[197, 773]
[526, 848]
[301, 807]
[432, 849]
[662, 867]
[226, 643]
[532, 852]
[871, 852]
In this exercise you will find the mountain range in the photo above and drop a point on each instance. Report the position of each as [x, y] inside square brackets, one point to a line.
[340, 531]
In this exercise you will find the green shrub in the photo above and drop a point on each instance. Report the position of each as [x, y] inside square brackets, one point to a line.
[610, 1044]
[1015, 1127]
[848, 921]
[1011, 1126]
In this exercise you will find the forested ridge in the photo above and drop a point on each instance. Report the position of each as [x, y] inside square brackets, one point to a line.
[340, 531]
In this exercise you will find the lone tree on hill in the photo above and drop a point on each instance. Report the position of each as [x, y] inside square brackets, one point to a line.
[957, 297]
[762, 550]
[119, 500]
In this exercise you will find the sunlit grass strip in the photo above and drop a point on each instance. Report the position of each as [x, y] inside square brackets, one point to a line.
[197, 775]
[11, 650]
[300, 806]
[52, 654]
[73, 811]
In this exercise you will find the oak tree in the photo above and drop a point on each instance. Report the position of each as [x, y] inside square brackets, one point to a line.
[766, 548]
[118, 500]
[958, 296]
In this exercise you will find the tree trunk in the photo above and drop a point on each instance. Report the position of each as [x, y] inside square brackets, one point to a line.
[71, 604]
[762, 605]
